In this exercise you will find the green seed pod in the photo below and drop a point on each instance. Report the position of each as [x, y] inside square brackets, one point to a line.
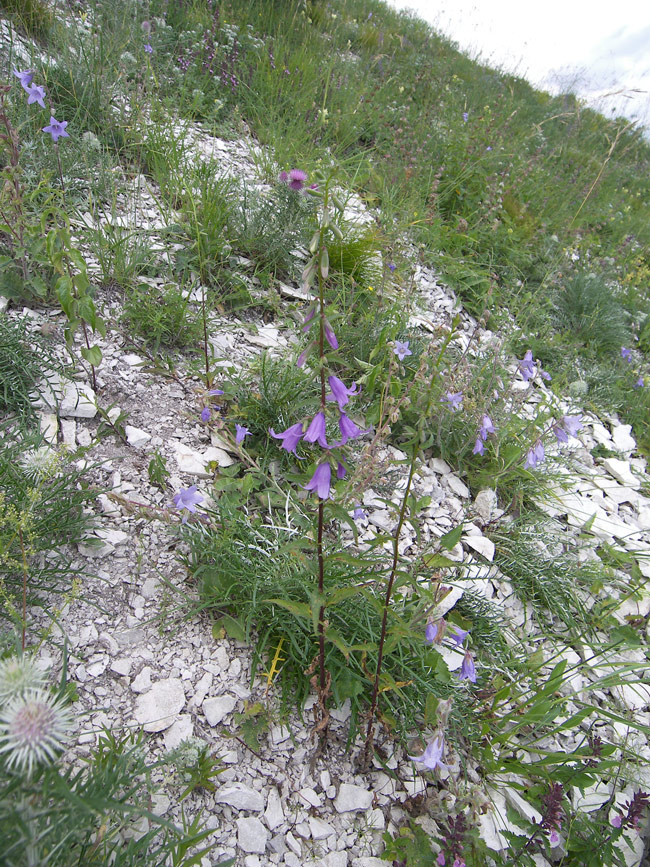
[324, 263]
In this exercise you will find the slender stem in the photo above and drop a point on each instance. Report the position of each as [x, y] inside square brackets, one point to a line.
[24, 556]
[416, 444]
[58, 159]
[322, 674]
[389, 591]
[205, 340]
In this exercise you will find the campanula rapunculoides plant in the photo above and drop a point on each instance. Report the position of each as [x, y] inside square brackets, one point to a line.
[332, 390]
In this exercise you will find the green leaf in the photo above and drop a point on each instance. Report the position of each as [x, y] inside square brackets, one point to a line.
[452, 538]
[233, 627]
[438, 561]
[92, 354]
[298, 609]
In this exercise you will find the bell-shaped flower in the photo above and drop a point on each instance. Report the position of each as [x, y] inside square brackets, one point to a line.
[290, 437]
[316, 431]
[330, 336]
[431, 758]
[467, 669]
[320, 481]
[349, 430]
[340, 393]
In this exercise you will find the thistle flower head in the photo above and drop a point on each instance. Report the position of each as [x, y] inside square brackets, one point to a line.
[18, 674]
[39, 464]
[33, 729]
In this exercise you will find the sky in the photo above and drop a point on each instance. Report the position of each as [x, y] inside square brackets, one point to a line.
[598, 49]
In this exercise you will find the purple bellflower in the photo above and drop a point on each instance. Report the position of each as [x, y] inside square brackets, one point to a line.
[391, 267]
[240, 433]
[401, 349]
[434, 631]
[639, 383]
[432, 756]
[465, 116]
[560, 434]
[320, 481]
[457, 634]
[359, 514]
[626, 354]
[330, 336]
[535, 455]
[36, 93]
[341, 470]
[148, 48]
[340, 393]
[205, 414]
[467, 669]
[554, 837]
[216, 391]
[56, 129]
[349, 430]
[187, 499]
[316, 431]
[486, 428]
[440, 860]
[453, 400]
[572, 424]
[303, 355]
[25, 78]
[527, 366]
[306, 325]
[479, 447]
[290, 437]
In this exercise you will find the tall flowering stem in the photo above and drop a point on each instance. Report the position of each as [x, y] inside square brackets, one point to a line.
[323, 272]
[416, 444]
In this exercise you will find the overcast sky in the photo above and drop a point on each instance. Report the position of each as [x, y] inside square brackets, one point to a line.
[595, 47]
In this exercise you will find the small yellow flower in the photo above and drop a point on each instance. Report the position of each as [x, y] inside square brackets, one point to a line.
[370, 289]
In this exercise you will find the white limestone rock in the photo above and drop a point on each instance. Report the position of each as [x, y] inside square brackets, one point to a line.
[78, 401]
[180, 731]
[352, 799]
[621, 471]
[485, 504]
[216, 709]
[195, 464]
[481, 544]
[240, 797]
[251, 835]
[156, 710]
[136, 437]
[274, 814]
[623, 440]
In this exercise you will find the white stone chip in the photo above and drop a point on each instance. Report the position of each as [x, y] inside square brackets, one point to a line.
[352, 799]
[156, 709]
[136, 437]
[78, 401]
[251, 835]
[481, 544]
[240, 797]
[180, 731]
[621, 471]
[274, 814]
[216, 709]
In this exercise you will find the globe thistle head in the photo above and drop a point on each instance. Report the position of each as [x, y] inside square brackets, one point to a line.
[39, 464]
[17, 675]
[33, 729]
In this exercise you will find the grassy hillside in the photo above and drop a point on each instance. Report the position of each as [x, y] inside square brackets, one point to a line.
[184, 178]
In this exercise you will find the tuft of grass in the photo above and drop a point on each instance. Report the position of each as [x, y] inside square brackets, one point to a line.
[34, 17]
[545, 575]
[25, 361]
[586, 307]
[162, 317]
